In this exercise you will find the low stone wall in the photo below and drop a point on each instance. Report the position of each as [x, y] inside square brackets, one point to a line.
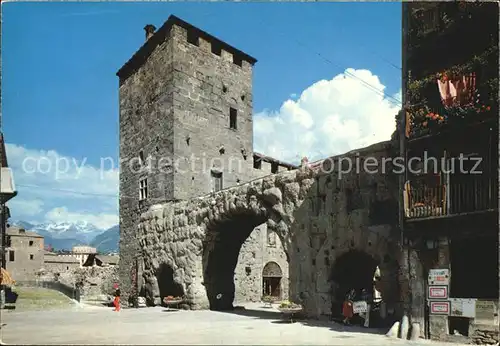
[485, 336]
[94, 283]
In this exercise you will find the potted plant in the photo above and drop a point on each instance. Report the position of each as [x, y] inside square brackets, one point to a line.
[269, 300]
[289, 308]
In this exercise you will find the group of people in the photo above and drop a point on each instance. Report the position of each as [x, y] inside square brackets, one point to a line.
[348, 304]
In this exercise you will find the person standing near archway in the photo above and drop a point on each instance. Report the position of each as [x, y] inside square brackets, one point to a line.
[116, 301]
[347, 307]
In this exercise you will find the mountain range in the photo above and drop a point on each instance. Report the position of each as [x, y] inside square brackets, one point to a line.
[65, 235]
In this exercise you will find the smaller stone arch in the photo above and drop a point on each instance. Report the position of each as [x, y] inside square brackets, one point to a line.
[272, 280]
[272, 269]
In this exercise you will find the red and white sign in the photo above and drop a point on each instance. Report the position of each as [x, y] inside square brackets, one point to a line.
[438, 292]
[440, 308]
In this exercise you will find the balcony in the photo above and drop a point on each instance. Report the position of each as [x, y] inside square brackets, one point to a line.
[466, 195]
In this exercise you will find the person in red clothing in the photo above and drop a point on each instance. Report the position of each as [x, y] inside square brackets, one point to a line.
[116, 301]
[347, 307]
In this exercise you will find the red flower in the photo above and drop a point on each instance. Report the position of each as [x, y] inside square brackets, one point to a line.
[488, 108]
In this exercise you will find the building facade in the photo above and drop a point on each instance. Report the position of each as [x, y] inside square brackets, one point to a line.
[82, 252]
[25, 254]
[450, 190]
[57, 263]
[186, 128]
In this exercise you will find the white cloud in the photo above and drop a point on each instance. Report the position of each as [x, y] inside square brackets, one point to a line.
[25, 206]
[330, 117]
[46, 180]
[101, 220]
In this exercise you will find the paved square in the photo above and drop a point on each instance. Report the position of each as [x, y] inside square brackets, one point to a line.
[97, 325]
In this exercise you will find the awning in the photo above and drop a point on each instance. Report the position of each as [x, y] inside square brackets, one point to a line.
[7, 186]
[7, 279]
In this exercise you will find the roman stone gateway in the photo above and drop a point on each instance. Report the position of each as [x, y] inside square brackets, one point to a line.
[185, 130]
[325, 221]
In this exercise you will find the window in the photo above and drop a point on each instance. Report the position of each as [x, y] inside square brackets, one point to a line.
[141, 157]
[143, 189]
[11, 256]
[193, 38]
[257, 162]
[271, 238]
[8, 241]
[217, 180]
[233, 114]
[31, 242]
[31, 257]
[274, 167]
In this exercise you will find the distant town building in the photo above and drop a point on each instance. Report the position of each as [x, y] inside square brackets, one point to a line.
[101, 260]
[83, 252]
[24, 253]
[54, 262]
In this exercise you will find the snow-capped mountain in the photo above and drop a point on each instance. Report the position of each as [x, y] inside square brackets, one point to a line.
[64, 235]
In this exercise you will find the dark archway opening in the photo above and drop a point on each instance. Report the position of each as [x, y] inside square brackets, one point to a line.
[271, 280]
[353, 270]
[166, 283]
[220, 258]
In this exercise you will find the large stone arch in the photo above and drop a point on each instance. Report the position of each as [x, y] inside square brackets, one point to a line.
[312, 213]
[185, 234]
[230, 222]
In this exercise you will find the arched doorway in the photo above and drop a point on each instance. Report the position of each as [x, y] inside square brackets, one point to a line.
[271, 280]
[353, 270]
[166, 283]
[220, 257]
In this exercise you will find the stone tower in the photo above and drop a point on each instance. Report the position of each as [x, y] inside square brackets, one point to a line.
[185, 126]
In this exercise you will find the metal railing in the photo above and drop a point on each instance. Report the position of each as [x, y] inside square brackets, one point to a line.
[466, 194]
[71, 292]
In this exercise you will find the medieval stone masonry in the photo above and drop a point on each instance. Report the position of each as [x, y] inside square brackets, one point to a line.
[244, 225]
[186, 112]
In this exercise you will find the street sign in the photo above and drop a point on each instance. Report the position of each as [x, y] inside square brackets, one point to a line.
[463, 307]
[437, 292]
[440, 308]
[439, 277]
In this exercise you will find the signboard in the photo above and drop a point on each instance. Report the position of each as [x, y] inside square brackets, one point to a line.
[439, 277]
[438, 292]
[440, 308]
[359, 307]
[463, 307]
[485, 311]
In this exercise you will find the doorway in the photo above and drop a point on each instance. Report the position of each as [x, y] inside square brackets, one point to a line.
[353, 270]
[271, 280]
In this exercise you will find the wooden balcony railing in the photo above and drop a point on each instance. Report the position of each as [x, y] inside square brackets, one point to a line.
[467, 194]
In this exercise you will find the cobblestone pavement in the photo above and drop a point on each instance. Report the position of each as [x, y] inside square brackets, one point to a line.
[96, 325]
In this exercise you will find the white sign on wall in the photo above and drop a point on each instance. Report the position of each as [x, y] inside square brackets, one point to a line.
[359, 307]
[463, 307]
[439, 277]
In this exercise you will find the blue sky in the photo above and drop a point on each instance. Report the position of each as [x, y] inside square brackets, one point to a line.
[60, 91]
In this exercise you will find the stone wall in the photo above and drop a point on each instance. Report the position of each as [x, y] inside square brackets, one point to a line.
[207, 85]
[259, 249]
[95, 283]
[318, 217]
[146, 129]
[174, 112]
